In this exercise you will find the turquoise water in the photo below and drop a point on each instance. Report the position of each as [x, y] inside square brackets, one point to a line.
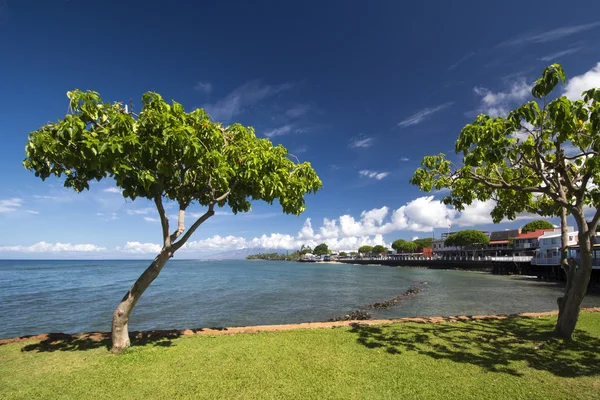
[78, 296]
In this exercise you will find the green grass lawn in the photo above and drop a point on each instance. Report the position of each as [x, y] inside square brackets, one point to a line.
[502, 359]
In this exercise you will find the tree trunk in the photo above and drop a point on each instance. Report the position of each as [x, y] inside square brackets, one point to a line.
[578, 278]
[120, 329]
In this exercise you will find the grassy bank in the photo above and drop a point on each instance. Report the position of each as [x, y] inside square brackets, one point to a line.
[498, 359]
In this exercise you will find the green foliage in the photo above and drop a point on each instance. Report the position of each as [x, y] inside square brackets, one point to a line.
[423, 243]
[343, 254]
[305, 249]
[275, 256]
[539, 158]
[404, 246]
[537, 224]
[366, 249]
[321, 250]
[467, 239]
[167, 152]
[379, 249]
[512, 358]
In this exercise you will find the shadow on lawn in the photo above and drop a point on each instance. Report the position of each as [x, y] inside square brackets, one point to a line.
[494, 345]
[65, 342]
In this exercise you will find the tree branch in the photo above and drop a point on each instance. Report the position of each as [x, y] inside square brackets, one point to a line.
[180, 225]
[595, 220]
[222, 197]
[164, 220]
[177, 245]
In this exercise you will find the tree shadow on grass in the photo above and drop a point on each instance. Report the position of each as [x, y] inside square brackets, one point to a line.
[495, 345]
[65, 342]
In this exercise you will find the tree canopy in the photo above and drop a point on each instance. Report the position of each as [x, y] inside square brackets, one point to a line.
[469, 238]
[543, 157]
[379, 249]
[423, 243]
[162, 153]
[366, 249]
[404, 246]
[321, 250]
[535, 225]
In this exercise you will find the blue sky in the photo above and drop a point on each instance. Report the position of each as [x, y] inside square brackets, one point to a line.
[362, 91]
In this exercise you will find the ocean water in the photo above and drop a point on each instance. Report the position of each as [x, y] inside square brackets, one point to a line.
[79, 296]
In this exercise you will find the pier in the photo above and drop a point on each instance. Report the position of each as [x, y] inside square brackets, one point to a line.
[494, 265]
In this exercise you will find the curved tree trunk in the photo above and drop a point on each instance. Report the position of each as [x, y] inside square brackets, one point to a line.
[120, 329]
[578, 277]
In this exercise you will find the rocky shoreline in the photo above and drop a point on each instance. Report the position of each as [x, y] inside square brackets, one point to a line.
[360, 314]
[156, 334]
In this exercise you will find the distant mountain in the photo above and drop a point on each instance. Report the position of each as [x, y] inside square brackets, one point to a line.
[241, 254]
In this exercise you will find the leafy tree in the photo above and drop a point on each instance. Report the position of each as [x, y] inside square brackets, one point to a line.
[537, 224]
[343, 254]
[353, 253]
[544, 157]
[423, 243]
[366, 249]
[404, 246]
[305, 249]
[165, 153]
[321, 249]
[379, 249]
[468, 239]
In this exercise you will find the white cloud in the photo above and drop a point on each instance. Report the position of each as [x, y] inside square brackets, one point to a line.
[204, 87]
[499, 103]
[140, 248]
[43, 247]
[422, 214]
[282, 130]
[422, 115]
[404, 159]
[66, 198]
[373, 174]
[150, 219]
[217, 242]
[306, 232]
[32, 211]
[549, 36]
[113, 216]
[112, 190]
[140, 211]
[559, 54]
[461, 60]
[578, 84]
[361, 141]
[10, 205]
[298, 110]
[274, 241]
[243, 97]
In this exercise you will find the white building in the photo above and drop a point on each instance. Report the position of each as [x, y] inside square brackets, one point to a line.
[548, 252]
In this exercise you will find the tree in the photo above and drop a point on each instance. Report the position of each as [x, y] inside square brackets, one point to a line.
[321, 250]
[379, 249]
[404, 246]
[542, 158]
[165, 154]
[366, 249]
[423, 243]
[343, 254]
[537, 224]
[468, 239]
[305, 249]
